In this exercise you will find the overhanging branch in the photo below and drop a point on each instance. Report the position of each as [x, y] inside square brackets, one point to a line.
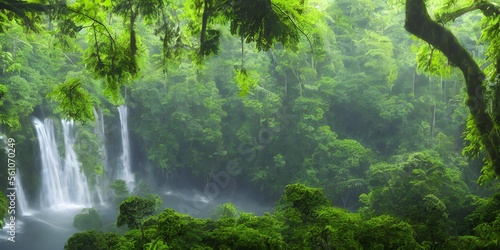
[296, 26]
[488, 9]
[22, 8]
[419, 23]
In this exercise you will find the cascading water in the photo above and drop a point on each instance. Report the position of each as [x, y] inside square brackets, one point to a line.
[75, 179]
[99, 130]
[63, 184]
[99, 125]
[22, 203]
[125, 172]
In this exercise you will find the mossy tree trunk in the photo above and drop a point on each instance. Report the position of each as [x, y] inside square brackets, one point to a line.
[419, 23]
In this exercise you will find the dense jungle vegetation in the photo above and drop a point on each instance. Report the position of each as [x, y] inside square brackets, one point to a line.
[369, 124]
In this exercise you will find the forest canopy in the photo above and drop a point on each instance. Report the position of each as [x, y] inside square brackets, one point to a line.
[113, 51]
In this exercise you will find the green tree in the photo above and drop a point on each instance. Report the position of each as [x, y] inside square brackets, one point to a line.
[24, 12]
[387, 232]
[178, 230]
[486, 212]
[134, 210]
[89, 152]
[488, 234]
[310, 222]
[339, 166]
[88, 219]
[92, 240]
[274, 22]
[421, 191]
[3, 209]
[23, 80]
[225, 211]
[483, 126]
[120, 190]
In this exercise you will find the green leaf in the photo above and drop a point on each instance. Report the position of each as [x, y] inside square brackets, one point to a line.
[74, 101]
[246, 81]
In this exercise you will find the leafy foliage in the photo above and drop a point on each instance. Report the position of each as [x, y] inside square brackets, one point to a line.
[89, 153]
[304, 220]
[75, 102]
[134, 209]
[387, 232]
[4, 209]
[88, 219]
[324, 93]
[264, 22]
[246, 81]
[225, 211]
[92, 240]
[421, 191]
[120, 190]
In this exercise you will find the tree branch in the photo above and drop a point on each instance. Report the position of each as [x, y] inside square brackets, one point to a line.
[451, 16]
[296, 26]
[419, 23]
[207, 5]
[488, 9]
[22, 8]
[98, 22]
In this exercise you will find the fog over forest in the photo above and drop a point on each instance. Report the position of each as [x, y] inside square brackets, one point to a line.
[249, 124]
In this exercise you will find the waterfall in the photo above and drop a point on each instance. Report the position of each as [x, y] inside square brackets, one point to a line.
[63, 183]
[99, 131]
[22, 203]
[99, 126]
[75, 179]
[51, 163]
[98, 189]
[125, 172]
